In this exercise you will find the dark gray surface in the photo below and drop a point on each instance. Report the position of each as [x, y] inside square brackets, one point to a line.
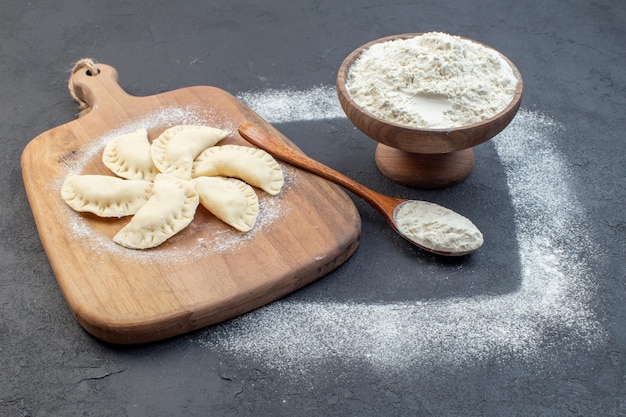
[572, 57]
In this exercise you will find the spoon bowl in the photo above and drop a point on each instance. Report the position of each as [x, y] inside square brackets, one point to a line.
[427, 225]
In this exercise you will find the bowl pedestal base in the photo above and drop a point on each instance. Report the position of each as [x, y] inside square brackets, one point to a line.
[428, 171]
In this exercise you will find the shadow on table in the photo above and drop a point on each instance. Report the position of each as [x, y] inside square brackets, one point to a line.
[386, 268]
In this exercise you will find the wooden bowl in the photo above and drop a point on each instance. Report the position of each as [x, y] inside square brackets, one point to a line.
[424, 158]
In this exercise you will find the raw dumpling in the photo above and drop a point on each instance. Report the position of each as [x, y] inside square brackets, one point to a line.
[174, 151]
[170, 209]
[129, 156]
[230, 200]
[105, 195]
[252, 165]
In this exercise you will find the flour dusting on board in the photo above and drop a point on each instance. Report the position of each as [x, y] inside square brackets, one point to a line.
[213, 237]
[163, 118]
[555, 294]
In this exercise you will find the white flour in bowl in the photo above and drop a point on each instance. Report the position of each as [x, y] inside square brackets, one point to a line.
[434, 81]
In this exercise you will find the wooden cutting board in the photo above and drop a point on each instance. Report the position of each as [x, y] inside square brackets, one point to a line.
[203, 275]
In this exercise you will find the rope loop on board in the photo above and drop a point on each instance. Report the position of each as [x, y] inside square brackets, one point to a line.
[92, 69]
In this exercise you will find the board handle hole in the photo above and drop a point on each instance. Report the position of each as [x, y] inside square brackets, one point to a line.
[92, 73]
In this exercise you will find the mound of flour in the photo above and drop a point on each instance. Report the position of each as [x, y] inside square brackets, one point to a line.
[434, 80]
[437, 227]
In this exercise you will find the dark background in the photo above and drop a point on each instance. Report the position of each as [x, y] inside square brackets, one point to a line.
[572, 57]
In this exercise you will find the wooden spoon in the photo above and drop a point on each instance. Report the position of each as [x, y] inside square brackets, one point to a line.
[427, 225]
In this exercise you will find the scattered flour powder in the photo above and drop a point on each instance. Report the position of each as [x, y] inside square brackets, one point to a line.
[556, 291]
[433, 80]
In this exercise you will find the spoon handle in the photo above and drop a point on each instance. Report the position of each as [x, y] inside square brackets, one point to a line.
[274, 146]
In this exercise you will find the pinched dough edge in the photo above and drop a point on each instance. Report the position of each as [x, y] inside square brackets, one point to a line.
[252, 165]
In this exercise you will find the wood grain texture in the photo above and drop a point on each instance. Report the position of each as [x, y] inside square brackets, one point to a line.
[423, 158]
[194, 279]
[426, 141]
[258, 136]
[426, 171]
[384, 204]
